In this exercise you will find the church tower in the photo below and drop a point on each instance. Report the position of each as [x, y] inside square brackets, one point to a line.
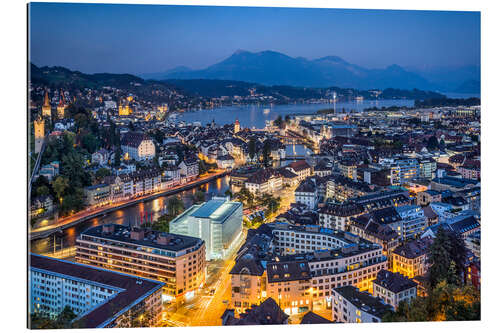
[124, 109]
[39, 125]
[61, 107]
[46, 108]
[236, 126]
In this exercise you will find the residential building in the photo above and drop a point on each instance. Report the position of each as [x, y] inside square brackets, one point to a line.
[176, 260]
[338, 216]
[301, 168]
[411, 259]
[264, 181]
[299, 265]
[99, 194]
[266, 313]
[41, 205]
[101, 157]
[353, 306]
[99, 297]
[306, 193]
[426, 197]
[189, 168]
[137, 146]
[348, 169]
[394, 288]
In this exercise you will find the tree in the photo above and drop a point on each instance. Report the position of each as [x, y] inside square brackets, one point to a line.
[73, 168]
[287, 119]
[81, 121]
[448, 256]
[266, 153]
[102, 172]
[63, 320]
[439, 258]
[90, 143]
[117, 159]
[251, 148]
[278, 122]
[42, 191]
[228, 193]
[60, 184]
[72, 202]
[433, 143]
[175, 206]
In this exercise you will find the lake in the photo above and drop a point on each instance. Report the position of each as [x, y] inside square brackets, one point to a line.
[256, 115]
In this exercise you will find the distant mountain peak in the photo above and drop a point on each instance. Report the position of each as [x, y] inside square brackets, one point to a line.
[240, 51]
[333, 59]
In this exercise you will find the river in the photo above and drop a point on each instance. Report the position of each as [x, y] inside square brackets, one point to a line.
[128, 216]
[251, 116]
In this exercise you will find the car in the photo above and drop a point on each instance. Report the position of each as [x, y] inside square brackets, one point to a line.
[225, 301]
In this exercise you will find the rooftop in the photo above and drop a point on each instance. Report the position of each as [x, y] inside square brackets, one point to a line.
[150, 238]
[395, 282]
[133, 288]
[364, 301]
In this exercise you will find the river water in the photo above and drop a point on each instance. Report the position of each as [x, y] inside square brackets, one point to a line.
[129, 216]
[251, 116]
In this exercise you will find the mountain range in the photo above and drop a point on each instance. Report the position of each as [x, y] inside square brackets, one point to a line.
[274, 68]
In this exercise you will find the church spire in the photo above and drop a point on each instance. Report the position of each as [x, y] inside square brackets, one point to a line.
[46, 101]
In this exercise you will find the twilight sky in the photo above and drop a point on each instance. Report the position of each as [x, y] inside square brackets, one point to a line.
[147, 38]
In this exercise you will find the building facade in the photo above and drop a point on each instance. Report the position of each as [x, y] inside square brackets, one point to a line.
[99, 297]
[218, 222]
[177, 261]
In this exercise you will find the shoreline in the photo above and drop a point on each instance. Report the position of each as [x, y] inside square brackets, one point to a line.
[73, 220]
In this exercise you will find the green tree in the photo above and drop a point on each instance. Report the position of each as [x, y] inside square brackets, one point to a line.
[63, 320]
[228, 193]
[102, 172]
[73, 202]
[90, 143]
[278, 122]
[448, 256]
[72, 166]
[175, 206]
[60, 184]
[42, 191]
[251, 148]
[266, 153]
[433, 143]
[117, 158]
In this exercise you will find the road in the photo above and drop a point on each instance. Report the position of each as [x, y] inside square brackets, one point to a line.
[45, 230]
[205, 309]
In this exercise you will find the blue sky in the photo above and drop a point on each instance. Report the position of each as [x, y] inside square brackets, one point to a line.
[150, 38]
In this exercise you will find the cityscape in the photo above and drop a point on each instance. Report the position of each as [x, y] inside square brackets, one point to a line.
[269, 187]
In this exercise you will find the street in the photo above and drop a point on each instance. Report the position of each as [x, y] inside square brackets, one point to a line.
[205, 309]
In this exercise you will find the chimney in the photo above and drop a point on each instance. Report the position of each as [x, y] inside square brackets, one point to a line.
[108, 228]
[164, 238]
[137, 234]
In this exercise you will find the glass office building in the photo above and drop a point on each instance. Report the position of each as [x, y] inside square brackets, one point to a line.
[218, 222]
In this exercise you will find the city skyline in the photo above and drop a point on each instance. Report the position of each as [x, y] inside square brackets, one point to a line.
[140, 39]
